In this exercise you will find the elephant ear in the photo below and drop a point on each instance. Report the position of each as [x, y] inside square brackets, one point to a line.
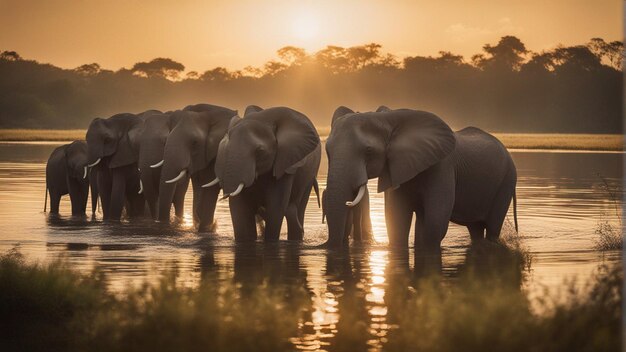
[252, 109]
[296, 138]
[339, 112]
[419, 140]
[129, 127]
[383, 108]
[124, 154]
[216, 134]
[234, 121]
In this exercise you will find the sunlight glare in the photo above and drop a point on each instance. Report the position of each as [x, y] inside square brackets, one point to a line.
[305, 26]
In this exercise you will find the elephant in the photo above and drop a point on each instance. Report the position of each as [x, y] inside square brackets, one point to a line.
[266, 165]
[467, 177]
[111, 153]
[190, 152]
[358, 222]
[150, 142]
[67, 173]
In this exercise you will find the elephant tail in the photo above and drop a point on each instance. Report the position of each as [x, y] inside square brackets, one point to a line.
[316, 187]
[515, 211]
[45, 202]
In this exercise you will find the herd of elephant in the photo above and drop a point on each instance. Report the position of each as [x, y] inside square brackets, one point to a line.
[266, 164]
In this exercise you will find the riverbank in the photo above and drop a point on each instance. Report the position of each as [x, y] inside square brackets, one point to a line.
[609, 142]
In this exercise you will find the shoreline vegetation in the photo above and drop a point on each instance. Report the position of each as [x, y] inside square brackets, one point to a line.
[565, 141]
[53, 307]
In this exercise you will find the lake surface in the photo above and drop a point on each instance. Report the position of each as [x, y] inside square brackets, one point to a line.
[562, 197]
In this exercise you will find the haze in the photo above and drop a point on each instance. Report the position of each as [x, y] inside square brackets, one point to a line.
[234, 34]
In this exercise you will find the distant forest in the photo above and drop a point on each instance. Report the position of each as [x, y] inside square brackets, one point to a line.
[505, 88]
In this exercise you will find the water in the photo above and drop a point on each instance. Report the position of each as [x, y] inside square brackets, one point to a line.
[562, 196]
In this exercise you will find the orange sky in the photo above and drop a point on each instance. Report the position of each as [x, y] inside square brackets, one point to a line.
[237, 33]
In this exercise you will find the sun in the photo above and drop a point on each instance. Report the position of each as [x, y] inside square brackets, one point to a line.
[305, 26]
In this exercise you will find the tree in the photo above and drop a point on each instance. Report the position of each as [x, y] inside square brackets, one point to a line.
[271, 68]
[193, 75]
[88, 69]
[159, 67]
[363, 55]
[10, 56]
[507, 55]
[334, 58]
[219, 74]
[612, 52]
[291, 55]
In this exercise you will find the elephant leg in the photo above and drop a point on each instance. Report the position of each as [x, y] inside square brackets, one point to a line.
[357, 229]
[77, 197]
[118, 195]
[242, 213]
[304, 201]
[366, 220]
[437, 205]
[437, 213]
[105, 186]
[295, 231]
[179, 197]
[195, 204]
[398, 216]
[55, 200]
[207, 208]
[496, 216]
[277, 196]
[419, 229]
[500, 206]
[93, 185]
[477, 231]
[348, 227]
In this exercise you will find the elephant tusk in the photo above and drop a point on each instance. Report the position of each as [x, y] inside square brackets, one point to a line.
[238, 190]
[84, 172]
[177, 178]
[95, 163]
[140, 187]
[212, 183]
[159, 164]
[358, 198]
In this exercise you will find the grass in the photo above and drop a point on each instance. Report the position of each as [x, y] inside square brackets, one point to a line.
[51, 307]
[25, 135]
[609, 235]
[611, 142]
[485, 312]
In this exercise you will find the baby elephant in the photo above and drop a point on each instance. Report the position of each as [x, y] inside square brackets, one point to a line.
[67, 173]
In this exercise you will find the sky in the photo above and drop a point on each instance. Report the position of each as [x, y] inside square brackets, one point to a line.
[237, 33]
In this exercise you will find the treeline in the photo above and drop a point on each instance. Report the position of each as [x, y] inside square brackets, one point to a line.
[504, 88]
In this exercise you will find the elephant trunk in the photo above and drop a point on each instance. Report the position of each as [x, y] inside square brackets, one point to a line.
[176, 159]
[238, 171]
[150, 181]
[336, 214]
[166, 196]
[345, 180]
[93, 184]
[95, 153]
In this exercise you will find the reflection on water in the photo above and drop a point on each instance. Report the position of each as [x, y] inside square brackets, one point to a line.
[561, 198]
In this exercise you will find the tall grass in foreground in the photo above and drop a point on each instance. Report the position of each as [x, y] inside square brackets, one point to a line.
[609, 234]
[51, 307]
